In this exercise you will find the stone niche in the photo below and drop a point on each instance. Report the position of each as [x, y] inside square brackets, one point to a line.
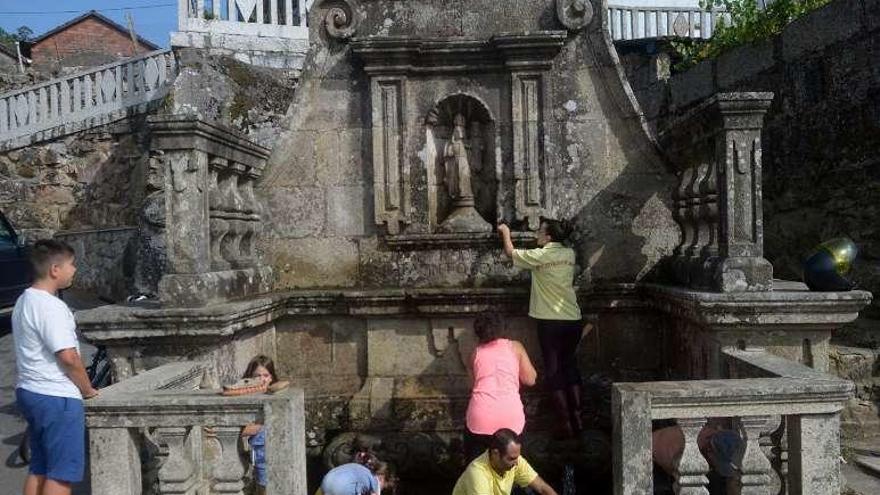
[458, 134]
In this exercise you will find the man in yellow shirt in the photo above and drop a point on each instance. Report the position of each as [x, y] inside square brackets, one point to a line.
[496, 471]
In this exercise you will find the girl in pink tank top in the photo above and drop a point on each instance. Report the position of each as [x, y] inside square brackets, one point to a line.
[500, 366]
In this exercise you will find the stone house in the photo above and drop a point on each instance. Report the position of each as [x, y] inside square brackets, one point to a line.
[87, 40]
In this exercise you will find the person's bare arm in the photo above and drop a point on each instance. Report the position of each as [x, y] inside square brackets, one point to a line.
[527, 373]
[251, 430]
[506, 242]
[469, 365]
[72, 365]
[542, 487]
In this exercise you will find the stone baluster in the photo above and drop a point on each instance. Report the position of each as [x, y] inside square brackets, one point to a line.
[708, 190]
[228, 473]
[177, 474]
[237, 201]
[691, 468]
[218, 226]
[755, 468]
[231, 249]
[775, 447]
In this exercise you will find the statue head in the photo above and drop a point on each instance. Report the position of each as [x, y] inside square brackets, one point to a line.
[458, 129]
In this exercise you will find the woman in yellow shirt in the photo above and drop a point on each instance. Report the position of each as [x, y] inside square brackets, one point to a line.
[553, 305]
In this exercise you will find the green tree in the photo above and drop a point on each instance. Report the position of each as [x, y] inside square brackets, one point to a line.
[747, 23]
[23, 33]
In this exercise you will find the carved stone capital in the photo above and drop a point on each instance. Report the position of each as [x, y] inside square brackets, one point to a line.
[574, 14]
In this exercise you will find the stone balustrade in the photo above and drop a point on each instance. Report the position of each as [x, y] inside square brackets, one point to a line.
[210, 254]
[158, 433]
[790, 407]
[632, 23]
[85, 99]
[715, 149]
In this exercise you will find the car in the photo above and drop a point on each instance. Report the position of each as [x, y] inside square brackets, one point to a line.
[15, 270]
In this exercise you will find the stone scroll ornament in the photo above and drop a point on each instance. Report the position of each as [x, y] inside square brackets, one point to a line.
[574, 14]
[341, 19]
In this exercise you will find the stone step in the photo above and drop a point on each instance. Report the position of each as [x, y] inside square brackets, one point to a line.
[871, 464]
[858, 481]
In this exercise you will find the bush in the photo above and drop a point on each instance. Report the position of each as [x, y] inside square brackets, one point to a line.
[748, 23]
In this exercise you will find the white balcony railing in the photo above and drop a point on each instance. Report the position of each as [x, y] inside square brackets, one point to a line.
[631, 23]
[256, 18]
[86, 99]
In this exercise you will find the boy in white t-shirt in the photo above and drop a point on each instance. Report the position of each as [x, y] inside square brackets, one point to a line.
[51, 378]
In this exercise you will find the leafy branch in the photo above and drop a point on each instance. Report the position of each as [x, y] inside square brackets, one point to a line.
[744, 23]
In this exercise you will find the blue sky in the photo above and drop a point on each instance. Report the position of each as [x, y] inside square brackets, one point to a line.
[153, 23]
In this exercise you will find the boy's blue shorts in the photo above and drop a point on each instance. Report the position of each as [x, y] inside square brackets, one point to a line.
[57, 432]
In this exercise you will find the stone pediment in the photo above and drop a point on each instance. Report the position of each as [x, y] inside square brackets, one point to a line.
[534, 50]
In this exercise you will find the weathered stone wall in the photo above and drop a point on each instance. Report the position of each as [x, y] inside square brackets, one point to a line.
[601, 169]
[250, 99]
[104, 259]
[84, 181]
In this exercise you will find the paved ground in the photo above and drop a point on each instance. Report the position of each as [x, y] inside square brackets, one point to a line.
[12, 425]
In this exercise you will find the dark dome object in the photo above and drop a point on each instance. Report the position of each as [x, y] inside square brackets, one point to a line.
[828, 265]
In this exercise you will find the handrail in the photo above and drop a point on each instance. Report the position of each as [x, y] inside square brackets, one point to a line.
[86, 99]
[283, 19]
[631, 23]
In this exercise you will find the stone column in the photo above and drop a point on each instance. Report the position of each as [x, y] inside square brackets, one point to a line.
[633, 465]
[114, 462]
[286, 433]
[814, 454]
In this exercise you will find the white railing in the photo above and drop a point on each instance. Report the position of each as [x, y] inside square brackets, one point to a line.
[632, 23]
[258, 18]
[86, 99]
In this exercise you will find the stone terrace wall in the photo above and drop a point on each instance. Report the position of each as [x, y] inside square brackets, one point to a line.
[81, 182]
[821, 135]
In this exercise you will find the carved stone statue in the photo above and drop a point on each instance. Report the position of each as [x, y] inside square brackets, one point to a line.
[460, 154]
[458, 167]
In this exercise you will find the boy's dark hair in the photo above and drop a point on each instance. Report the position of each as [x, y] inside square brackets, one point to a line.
[502, 438]
[47, 252]
[488, 326]
[265, 362]
[558, 230]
